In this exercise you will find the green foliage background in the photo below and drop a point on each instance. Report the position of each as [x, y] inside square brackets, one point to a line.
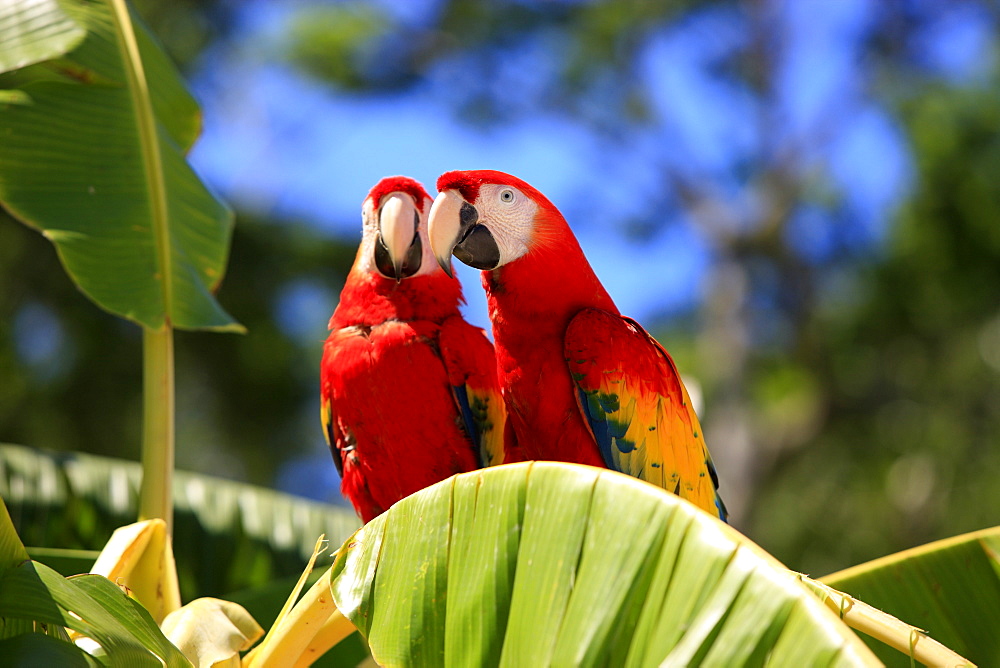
[901, 373]
[869, 427]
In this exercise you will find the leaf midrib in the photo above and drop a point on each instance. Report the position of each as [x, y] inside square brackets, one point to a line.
[150, 148]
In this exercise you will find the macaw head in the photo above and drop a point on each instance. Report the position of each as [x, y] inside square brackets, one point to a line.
[489, 219]
[394, 235]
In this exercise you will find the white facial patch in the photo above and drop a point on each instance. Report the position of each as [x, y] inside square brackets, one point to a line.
[369, 234]
[509, 214]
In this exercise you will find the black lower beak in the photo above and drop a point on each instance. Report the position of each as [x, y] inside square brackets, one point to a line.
[476, 246]
[478, 249]
[410, 265]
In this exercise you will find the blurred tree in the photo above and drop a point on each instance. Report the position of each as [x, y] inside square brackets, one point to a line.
[72, 374]
[799, 287]
[62, 360]
[188, 27]
[898, 369]
[848, 364]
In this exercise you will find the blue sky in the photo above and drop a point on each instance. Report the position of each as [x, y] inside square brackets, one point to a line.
[319, 159]
[275, 140]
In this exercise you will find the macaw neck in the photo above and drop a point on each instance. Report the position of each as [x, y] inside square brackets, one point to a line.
[531, 302]
[370, 299]
[537, 294]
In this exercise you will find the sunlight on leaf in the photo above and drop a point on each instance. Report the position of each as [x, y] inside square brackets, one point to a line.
[91, 606]
[140, 558]
[31, 32]
[12, 551]
[947, 588]
[598, 568]
[305, 630]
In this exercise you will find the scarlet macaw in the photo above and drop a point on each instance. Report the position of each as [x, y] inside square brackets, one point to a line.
[581, 382]
[409, 389]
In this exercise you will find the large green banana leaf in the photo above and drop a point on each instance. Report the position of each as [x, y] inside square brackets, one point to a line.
[33, 32]
[39, 608]
[228, 536]
[557, 564]
[94, 128]
[949, 588]
[235, 541]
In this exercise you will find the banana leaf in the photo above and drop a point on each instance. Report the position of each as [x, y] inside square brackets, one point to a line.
[949, 588]
[264, 602]
[228, 536]
[96, 122]
[33, 32]
[37, 601]
[556, 564]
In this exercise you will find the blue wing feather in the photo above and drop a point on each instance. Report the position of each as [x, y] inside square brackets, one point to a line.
[462, 398]
[638, 411]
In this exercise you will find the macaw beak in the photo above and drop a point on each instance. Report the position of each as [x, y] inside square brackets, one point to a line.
[401, 250]
[454, 227]
[444, 226]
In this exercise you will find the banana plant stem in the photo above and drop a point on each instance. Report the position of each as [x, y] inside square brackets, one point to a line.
[155, 496]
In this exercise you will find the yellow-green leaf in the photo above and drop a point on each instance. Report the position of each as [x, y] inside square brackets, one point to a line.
[949, 588]
[31, 32]
[598, 569]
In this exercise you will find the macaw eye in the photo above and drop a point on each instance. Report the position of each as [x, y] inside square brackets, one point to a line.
[506, 195]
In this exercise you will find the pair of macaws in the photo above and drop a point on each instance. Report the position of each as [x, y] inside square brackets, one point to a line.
[412, 394]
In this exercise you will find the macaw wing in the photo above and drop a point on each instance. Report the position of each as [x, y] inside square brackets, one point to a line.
[332, 432]
[329, 425]
[342, 346]
[472, 371]
[638, 410]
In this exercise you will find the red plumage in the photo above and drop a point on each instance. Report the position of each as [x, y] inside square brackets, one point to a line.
[528, 333]
[581, 383]
[399, 369]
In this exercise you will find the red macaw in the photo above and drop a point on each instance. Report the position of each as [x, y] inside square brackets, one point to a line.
[581, 382]
[409, 389]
